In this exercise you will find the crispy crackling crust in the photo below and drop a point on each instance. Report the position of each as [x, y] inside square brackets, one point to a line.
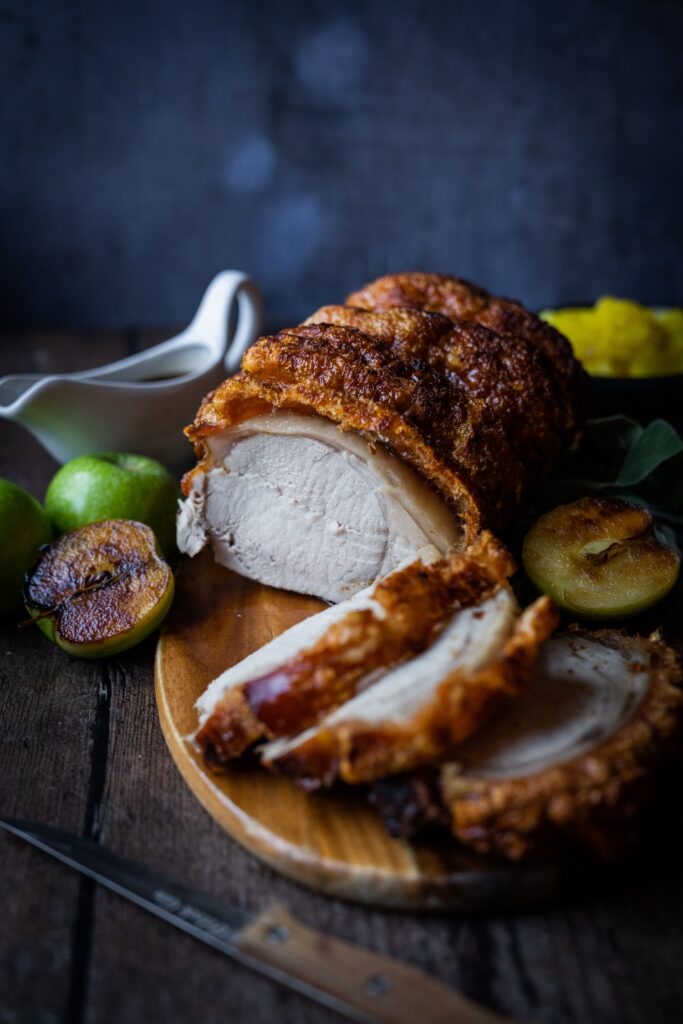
[506, 378]
[460, 300]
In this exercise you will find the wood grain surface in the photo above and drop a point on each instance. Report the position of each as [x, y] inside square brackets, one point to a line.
[332, 841]
[81, 747]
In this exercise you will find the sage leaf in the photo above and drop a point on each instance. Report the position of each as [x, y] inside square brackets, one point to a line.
[658, 443]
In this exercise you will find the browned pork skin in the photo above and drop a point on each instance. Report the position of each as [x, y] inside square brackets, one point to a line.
[532, 418]
[464, 302]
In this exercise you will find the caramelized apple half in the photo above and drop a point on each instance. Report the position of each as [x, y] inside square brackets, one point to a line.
[99, 590]
[599, 558]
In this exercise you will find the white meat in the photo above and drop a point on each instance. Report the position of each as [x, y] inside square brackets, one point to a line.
[297, 503]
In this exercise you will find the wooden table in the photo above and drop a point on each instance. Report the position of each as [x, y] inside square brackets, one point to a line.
[81, 747]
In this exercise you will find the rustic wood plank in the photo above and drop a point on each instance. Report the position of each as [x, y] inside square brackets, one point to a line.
[51, 754]
[48, 712]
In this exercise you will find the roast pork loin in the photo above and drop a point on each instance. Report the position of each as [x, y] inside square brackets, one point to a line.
[492, 369]
[466, 303]
[346, 444]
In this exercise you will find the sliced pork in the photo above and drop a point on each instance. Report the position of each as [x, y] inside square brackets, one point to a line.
[214, 740]
[396, 619]
[573, 758]
[418, 712]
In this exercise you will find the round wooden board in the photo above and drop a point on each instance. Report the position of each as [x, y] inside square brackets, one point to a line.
[333, 842]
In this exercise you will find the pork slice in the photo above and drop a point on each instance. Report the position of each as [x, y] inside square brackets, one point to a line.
[416, 713]
[291, 689]
[571, 758]
[293, 501]
[576, 758]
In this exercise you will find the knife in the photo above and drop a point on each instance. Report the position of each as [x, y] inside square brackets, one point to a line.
[364, 987]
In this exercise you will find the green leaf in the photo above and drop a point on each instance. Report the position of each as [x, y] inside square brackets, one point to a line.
[658, 443]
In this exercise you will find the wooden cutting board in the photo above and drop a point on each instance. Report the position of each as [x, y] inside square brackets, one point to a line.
[333, 842]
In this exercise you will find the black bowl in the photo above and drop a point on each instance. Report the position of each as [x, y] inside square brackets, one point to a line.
[642, 398]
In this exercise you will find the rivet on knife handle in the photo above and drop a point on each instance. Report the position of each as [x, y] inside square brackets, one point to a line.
[374, 987]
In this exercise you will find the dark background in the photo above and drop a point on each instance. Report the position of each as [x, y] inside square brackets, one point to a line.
[535, 148]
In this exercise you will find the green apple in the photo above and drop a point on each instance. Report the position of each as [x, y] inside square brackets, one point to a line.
[114, 485]
[101, 589]
[24, 527]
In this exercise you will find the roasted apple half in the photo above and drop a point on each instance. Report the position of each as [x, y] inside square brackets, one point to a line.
[599, 558]
[99, 590]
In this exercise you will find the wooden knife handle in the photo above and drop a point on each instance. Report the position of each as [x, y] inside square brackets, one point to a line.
[362, 985]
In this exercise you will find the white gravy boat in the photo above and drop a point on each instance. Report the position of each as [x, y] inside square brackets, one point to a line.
[140, 404]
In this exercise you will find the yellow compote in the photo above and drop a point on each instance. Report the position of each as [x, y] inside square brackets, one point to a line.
[621, 338]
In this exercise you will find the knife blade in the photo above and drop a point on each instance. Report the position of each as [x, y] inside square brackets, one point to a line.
[363, 986]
